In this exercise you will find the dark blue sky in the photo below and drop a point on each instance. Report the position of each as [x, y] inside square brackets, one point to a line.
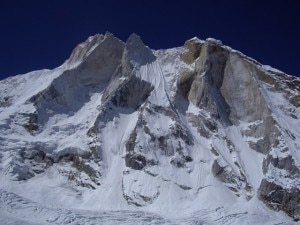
[41, 34]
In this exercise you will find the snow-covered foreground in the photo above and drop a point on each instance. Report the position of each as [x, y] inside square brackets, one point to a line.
[18, 210]
[15, 210]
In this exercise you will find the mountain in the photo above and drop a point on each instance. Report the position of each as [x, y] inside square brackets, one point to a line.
[198, 134]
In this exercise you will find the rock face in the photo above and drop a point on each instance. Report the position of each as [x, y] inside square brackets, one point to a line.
[279, 198]
[154, 129]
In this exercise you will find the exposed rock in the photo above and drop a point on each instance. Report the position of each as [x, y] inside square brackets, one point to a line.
[262, 145]
[214, 151]
[205, 126]
[267, 78]
[134, 161]
[279, 198]
[97, 68]
[131, 143]
[32, 124]
[178, 162]
[205, 90]
[82, 166]
[267, 134]
[293, 84]
[178, 131]
[28, 163]
[287, 164]
[157, 109]
[295, 100]
[193, 47]
[82, 50]
[21, 172]
[234, 181]
[222, 173]
[185, 81]
[102, 62]
[5, 102]
[137, 52]
[184, 187]
[239, 79]
[198, 123]
[131, 94]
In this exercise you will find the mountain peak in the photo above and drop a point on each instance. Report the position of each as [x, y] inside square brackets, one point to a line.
[214, 41]
[137, 52]
[83, 49]
[134, 38]
[192, 132]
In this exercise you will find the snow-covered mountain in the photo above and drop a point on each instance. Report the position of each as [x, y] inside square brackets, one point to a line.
[199, 134]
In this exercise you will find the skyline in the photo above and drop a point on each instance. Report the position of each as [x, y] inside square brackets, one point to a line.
[37, 35]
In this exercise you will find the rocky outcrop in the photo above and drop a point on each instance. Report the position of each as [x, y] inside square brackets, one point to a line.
[205, 89]
[81, 167]
[185, 81]
[136, 52]
[98, 64]
[266, 134]
[32, 124]
[295, 100]
[28, 163]
[239, 78]
[193, 50]
[82, 50]
[236, 182]
[131, 93]
[5, 102]
[226, 84]
[135, 161]
[279, 198]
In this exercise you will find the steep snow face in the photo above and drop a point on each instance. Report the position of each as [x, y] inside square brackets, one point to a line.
[199, 131]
